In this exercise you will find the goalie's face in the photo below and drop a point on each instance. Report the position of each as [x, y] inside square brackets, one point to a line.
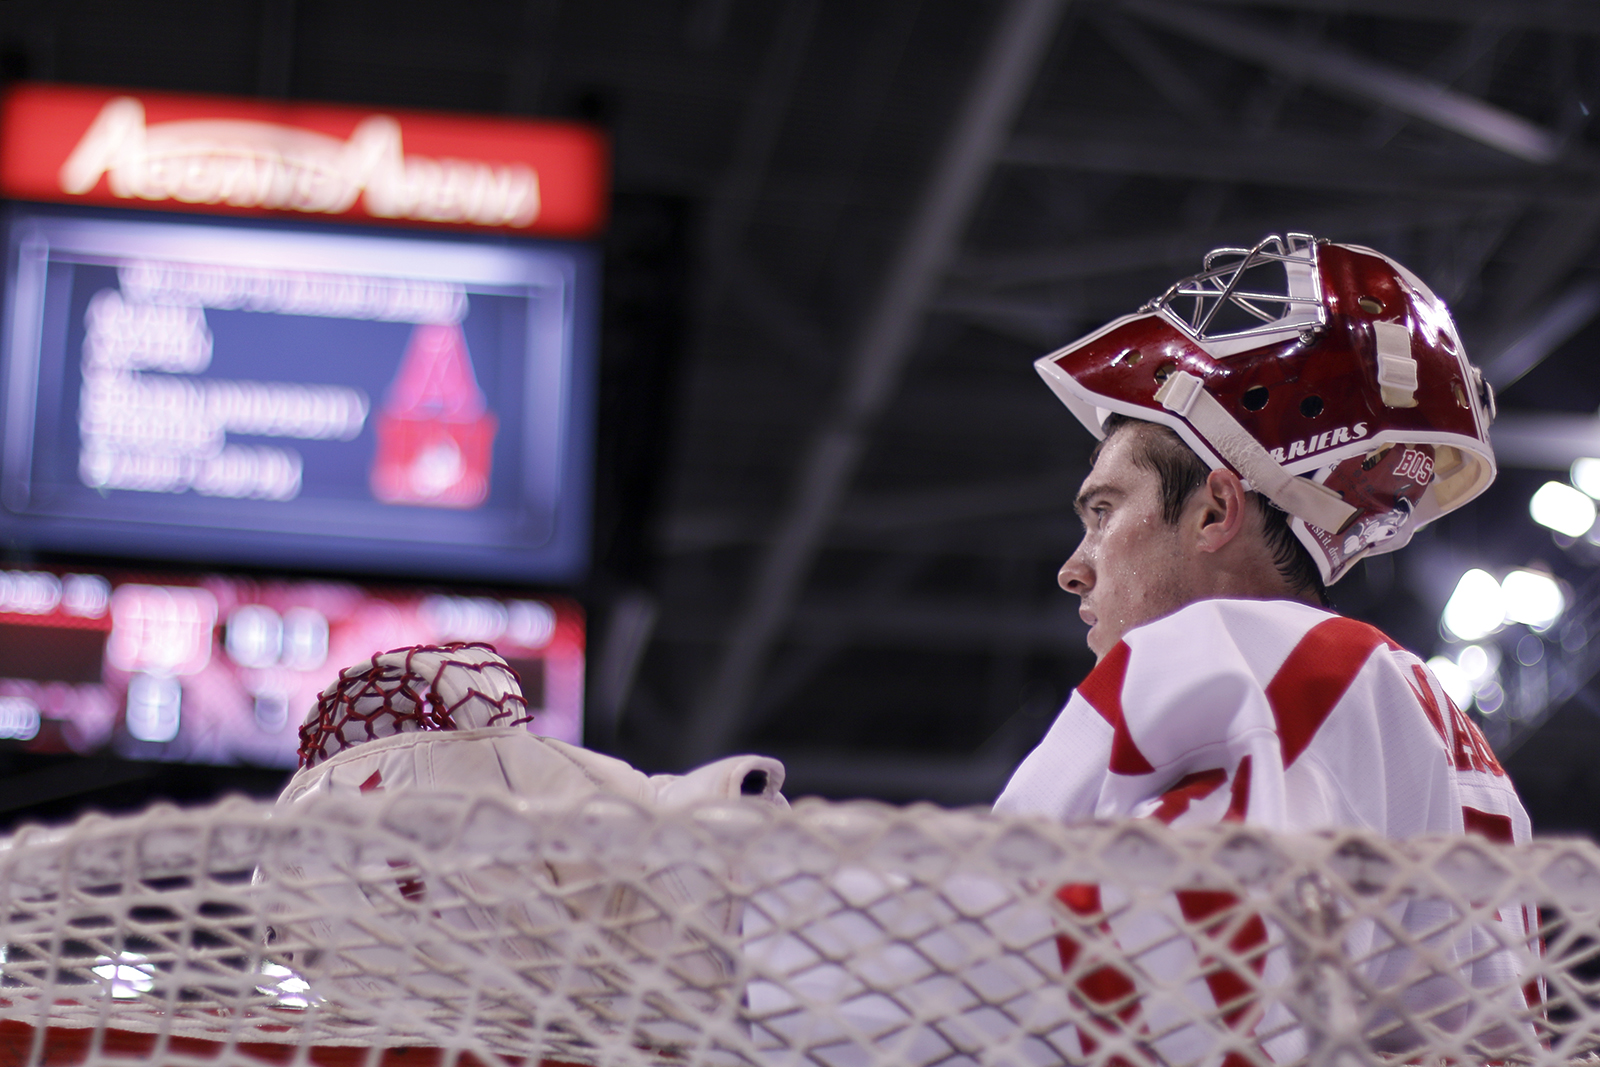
[1132, 565]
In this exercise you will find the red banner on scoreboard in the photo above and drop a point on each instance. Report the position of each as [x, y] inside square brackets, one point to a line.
[216, 154]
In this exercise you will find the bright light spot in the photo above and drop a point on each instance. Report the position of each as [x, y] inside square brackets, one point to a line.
[1491, 698]
[154, 703]
[1530, 650]
[1562, 508]
[19, 718]
[460, 618]
[85, 595]
[1478, 663]
[531, 623]
[1453, 680]
[254, 637]
[161, 629]
[305, 639]
[291, 990]
[1586, 475]
[1477, 607]
[126, 977]
[1532, 598]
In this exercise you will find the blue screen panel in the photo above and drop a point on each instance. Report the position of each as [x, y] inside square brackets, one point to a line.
[226, 392]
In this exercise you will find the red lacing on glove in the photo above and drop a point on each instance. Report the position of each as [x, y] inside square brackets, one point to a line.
[377, 699]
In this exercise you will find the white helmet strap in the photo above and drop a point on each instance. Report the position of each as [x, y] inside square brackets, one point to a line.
[1184, 395]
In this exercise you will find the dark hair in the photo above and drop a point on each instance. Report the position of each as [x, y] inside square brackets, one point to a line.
[1181, 472]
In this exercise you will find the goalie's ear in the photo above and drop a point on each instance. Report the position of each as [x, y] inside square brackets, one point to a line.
[1216, 512]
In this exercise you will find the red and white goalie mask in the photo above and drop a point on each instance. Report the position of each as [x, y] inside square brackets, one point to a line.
[1327, 376]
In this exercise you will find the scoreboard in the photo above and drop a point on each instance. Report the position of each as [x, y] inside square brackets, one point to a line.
[325, 341]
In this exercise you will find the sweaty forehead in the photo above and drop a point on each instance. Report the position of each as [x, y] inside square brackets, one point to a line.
[1141, 439]
[1117, 468]
[1126, 445]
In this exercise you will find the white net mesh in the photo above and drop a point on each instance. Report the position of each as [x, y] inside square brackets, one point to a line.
[370, 930]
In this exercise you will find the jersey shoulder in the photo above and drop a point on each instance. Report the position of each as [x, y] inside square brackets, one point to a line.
[1256, 635]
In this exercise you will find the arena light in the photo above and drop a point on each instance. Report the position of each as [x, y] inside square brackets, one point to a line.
[1453, 679]
[1532, 598]
[1477, 608]
[1479, 663]
[1586, 475]
[1563, 509]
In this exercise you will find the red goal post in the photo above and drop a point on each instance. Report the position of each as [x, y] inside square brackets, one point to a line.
[416, 929]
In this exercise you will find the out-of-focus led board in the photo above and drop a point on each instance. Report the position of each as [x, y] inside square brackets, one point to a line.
[222, 669]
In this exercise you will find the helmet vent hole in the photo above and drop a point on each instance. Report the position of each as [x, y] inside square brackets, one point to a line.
[1164, 371]
[1460, 394]
[1311, 407]
[1370, 305]
[1130, 357]
[1255, 398]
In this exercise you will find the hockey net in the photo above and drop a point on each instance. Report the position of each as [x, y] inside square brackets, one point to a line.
[423, 929]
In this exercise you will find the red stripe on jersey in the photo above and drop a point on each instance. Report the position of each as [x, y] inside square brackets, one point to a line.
[1239, 802]
[1187, 790]
[1469, 751]
[1494, 827]
[1232, 992]
[1103, 690]
[374, 781]
[1107, 993]
[1314, 678]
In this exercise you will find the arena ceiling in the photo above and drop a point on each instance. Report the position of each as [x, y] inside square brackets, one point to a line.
[835, 494]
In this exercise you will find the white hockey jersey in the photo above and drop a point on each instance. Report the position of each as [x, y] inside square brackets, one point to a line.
[1270, 712]
[1292, 718]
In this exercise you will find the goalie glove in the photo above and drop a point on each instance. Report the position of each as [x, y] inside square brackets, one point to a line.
[453, 717]
[576, 936]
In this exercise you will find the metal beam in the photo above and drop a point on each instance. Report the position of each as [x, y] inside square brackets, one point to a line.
[1351, 75]
[1297, 162]
[1024, 32]
[1184, 95]
[1184, 248]
[1560, 240]
[1047, 532]
[963, 503]
[1544, 440]
[958, 626]
[1548, 331]
[762, 121]
[1530, 14]
[800, 336]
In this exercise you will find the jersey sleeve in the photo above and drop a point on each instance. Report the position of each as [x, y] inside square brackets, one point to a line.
[1175, 722]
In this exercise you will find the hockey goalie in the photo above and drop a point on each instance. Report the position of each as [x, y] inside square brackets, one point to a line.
[1263, 426]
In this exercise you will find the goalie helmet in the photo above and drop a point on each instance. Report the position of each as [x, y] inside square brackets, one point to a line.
[1327, 376]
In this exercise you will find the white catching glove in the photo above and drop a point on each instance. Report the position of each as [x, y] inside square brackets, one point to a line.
[452, 719]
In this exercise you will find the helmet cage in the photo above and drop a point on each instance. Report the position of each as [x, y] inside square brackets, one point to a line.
[1246, 297]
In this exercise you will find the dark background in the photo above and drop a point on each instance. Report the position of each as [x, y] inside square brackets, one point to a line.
[832, 493]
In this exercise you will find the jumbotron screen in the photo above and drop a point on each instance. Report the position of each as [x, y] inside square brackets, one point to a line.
[222, 669]
[271, 393]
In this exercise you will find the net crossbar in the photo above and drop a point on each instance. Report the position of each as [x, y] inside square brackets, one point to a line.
[424, 929]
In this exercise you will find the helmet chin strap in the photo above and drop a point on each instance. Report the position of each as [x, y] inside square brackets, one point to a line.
[1184, 395]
